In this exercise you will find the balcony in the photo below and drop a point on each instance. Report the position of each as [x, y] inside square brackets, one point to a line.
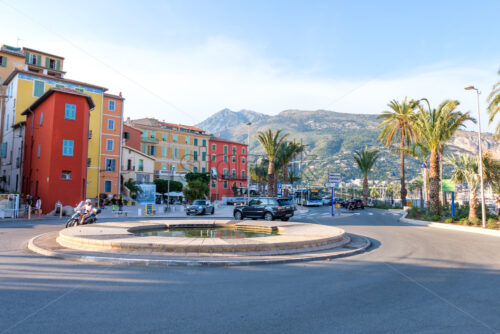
[150, 140]
[225, 177]
[128, 168]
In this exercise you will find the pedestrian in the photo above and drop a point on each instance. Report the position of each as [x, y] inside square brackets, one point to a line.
[101, 203]
[120, 203]
[38, 206]
[113, 203]
[498, 206]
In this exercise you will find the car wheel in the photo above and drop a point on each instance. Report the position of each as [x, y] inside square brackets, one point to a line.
[202, 212]
[213, 210]
[268, 216]
[238, 215]
[285, 219]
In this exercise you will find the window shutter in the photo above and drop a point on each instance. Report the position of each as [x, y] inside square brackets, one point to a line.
[27, 57]
[58, 65]
[4, 61]
[39, 60]
[47, 62]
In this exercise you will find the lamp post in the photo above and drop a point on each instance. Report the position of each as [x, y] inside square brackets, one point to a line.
[248, 163]
[483, 204]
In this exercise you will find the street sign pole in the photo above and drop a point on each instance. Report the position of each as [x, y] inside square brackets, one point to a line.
[453, 204]
[333, 212]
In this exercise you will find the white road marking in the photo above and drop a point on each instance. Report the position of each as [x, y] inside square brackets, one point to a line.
[370, 214]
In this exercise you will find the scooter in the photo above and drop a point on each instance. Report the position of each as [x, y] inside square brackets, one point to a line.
[75, 218]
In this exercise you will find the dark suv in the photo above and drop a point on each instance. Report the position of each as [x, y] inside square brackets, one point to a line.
[268, 208]
[355, 204]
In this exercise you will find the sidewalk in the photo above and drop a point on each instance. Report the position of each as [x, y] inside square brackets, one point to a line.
[222, 211]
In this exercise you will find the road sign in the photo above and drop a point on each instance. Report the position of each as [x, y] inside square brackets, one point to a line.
[334, 177]
[332, 184]
[447, 185]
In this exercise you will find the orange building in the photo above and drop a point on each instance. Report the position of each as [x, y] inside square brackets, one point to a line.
[111, 135]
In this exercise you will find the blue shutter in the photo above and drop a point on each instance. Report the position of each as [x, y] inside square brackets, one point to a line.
[41, 118]
[70, 111]
[38, 154]
[68, 146]
[39, 88]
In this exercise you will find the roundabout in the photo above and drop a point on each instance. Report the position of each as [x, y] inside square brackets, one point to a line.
[199, 242]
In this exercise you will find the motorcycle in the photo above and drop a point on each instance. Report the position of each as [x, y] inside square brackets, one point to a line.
[75, 218]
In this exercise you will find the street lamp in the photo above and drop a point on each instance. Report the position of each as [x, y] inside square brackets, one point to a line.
[483, 204]
[248, 163]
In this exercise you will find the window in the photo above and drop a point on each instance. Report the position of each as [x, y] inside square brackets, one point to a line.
[225, 158]
[141, 165]
[163, 167]
[195, 169]
[234, 150]
[213, 157]
[243, 174]
[225, 184]
[152, 150]
[38, 153]
[143, 148]
[243, 160]
[70, 111]
[39, 87]
[188, 140]
[110, 165]
[173, 168]
[3, 61]
[204, 143]
[111, 124]
[33, 59]
[186, 169]
[225, 149]
[163, 151]
[175, 138]
[66, 175]
[59, 86]
[164, 135]
[152, 135]
[187, 155]
[243, 150]
[213, 184]
[41, 118]
[144, 135]
[176, 153]
[109, 144]
[195, 141]
[234, 158]
[195, 155]
[203, 156]
[51, 63]
[214, 147]
[225, 171]
[203, 169]
[233, 172]
[67, 149]
[79, 90]
[107, 186]
[111, 105]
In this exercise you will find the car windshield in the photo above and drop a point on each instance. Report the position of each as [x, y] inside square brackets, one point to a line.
[284, 201]
[198, 202]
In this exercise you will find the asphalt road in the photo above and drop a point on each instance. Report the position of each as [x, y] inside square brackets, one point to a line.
[413, 280]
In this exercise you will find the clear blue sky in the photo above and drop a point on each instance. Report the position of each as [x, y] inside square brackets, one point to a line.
[339, 48]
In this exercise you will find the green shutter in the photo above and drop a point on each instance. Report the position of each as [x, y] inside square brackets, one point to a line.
[47, 62]
[58, 65]
[27, 57]
[39, 60]
[4, 61]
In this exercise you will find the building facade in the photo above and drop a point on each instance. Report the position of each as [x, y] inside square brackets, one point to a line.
[177, 149]
[131, 137]
[228, 168]
[137, 166]
[56, 146]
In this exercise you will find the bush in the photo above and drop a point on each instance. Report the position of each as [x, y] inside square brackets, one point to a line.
[435, 218]
[492, 223]
[475, 221]
[448, 220]
[463, 221]
[413, 212]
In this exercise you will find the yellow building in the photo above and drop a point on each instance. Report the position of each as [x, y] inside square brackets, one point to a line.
[177, 149]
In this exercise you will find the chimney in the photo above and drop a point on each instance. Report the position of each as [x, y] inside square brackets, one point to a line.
[120, 94]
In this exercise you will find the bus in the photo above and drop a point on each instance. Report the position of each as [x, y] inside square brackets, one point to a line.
[309, 197]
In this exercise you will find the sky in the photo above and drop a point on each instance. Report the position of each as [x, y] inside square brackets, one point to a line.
[182, 61]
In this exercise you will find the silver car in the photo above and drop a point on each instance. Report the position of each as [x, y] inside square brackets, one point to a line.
[200, 207]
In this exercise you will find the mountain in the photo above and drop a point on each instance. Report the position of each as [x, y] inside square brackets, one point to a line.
[330, 138]
[223, 121]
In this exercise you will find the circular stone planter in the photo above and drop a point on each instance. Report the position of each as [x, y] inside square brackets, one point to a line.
[292, 238]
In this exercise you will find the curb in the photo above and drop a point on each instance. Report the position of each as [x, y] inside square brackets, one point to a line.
[477, 230]
[193, 262]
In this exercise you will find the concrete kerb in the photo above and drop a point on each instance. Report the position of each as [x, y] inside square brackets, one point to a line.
[478, 230]
[364, 244]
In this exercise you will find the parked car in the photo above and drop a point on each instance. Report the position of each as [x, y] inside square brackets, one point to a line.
[268, 208]
[355, 203]
[200, 207]
[327, 200]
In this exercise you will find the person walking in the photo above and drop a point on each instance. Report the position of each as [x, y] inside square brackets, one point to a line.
[113, 203]
[120, 203]
[38, 206]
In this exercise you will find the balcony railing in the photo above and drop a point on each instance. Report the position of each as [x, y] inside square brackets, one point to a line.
[128, 168]
[150, 140]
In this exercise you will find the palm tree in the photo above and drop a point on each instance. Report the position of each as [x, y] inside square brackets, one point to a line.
[271, 143]
[365, 159]
[287, 152]
[398, 124]
[418, 184]
[435, 127]
[494, 106]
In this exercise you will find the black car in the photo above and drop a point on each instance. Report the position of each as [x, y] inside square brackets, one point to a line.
[268, 208]
[200, 207]
[355, 204]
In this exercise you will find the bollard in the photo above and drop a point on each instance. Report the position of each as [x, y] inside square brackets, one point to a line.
[60, 211]
[29, 211]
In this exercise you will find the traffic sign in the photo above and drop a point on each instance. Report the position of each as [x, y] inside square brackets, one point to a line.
[334, 177]
[331, 185]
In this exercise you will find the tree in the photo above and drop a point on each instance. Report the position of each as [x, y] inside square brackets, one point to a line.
[258, 174]
[374, 192]
[365, 159]
[163, 187]
[418, 184]
[435, 127]
[398, 124]
[133, 188]
[271, 143]
[287, 152]
[494, 106]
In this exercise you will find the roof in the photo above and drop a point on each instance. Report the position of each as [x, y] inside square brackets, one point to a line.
[44, 53]
[158, 124]
[118, 97]
[226, 141]
[181, 126]
[19, 124]
[60, 90]
[11, 50]
[131, 127]
[16, 71]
